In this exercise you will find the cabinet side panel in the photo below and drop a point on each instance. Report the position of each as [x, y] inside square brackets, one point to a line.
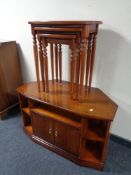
[106, 142]
[4, 102]
[10, 69]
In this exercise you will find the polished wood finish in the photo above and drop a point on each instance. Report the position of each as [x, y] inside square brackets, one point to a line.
[60, 62]
[57, 40]
[57, 117]
[70, 118]
[83, 50]
[45, 58]
[64, 22]
[97, 104]
[70, 141]
[41, 65]
[75, 130]
[10, 76]
[27, 111]
[88, 59]
[92, 58]
[52, 61]
[35, 48]
[45, 126]
[56, 62]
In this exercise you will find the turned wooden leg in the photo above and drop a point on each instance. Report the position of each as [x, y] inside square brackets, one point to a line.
[56, 62]
[52, 61]
[77, 72]
[45, 63]
[72, 66]
[82, 68]
[92, 59]
[36, 60]
[41, 64]
[88, 60]
[60, 62]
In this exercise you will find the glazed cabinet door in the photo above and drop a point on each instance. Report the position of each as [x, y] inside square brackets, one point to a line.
[42, 127]
[67, 137]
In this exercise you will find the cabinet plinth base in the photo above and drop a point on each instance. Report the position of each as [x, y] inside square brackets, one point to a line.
[75, 159]
[3, 113]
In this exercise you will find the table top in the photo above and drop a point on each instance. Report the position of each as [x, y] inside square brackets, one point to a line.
[66, 22]
[97, 105]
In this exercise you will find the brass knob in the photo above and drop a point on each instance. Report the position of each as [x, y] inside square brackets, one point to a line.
[50, 130]
[56, 133]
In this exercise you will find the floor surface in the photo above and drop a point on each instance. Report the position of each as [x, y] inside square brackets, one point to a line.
[20, 156]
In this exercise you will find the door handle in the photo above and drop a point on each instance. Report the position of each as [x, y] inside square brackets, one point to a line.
[56, 133]
[50, 130]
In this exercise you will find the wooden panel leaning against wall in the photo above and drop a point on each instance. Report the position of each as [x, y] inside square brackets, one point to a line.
[10, 76]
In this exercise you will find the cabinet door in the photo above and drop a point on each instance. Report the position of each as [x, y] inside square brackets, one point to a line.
[66, 137]
[42, 127]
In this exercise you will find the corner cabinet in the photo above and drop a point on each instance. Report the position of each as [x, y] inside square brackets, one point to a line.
[10, 75]
[77, 131]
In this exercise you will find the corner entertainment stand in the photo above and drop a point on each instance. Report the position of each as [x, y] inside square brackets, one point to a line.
[70, 117]
[76, 130]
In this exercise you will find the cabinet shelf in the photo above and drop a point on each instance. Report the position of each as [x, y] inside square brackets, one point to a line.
[27, 111]
[95, 136]
[92, 151]
[57, 117]
[91, 156]
[27, 120]
[96, 130]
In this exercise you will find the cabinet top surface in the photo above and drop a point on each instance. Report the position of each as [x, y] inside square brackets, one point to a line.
[97, 105]
[66, 22]
[6, 41]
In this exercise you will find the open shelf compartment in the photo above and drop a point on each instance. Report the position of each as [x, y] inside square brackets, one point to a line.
[26, 114]
[58, 117]
[92, 151]
[27, 122]
[96, 130]
[27, 111]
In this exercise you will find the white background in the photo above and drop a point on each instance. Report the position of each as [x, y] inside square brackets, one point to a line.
[112, 71]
